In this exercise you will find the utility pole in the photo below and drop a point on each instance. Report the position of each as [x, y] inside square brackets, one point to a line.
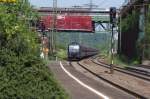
[120, 30]
[54, 24]
[52, 36]
[91, 4]
[112, 50]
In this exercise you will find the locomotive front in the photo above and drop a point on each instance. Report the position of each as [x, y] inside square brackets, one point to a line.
[73, 51]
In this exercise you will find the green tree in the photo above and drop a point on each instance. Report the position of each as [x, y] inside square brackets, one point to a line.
[23, 75]
[147, 28]
[129, 26]
[146, 40]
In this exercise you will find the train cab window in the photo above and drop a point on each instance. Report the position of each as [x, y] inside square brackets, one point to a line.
[74, 48]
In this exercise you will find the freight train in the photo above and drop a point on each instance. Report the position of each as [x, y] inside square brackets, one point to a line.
[77, 51]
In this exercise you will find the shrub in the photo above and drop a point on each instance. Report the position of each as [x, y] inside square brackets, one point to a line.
[62, 54]
[27, 77]
[23, 75]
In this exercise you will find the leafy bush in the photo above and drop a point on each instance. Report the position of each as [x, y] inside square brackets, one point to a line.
[128, 23]
[23, 75]
[27, 77]
[62, 54]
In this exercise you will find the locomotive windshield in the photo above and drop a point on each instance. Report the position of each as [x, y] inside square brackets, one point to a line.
[74, 48]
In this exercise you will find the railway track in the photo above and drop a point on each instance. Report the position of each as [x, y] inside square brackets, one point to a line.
[144, 66]
[139, 96]
[142, 75]
[140, 70]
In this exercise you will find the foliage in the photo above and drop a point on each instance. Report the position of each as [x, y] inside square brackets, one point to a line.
[147, 37]
[14, 28]
[22, 73]
[62, 54]
[147, 29]
[129, 22]
[27, 77]
[129, 26]
[95, 40]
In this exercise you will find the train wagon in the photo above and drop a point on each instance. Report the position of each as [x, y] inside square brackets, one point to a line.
[77, 51]
[69, 23]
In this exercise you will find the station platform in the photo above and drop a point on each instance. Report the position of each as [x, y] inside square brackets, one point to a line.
[78, 91]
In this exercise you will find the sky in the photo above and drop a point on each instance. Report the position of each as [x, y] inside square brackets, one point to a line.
[70, 3]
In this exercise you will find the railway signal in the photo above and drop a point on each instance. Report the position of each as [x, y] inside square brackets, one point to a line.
[113, 15]
[41, 26]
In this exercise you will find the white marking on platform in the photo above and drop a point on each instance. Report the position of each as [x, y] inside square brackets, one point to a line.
[82, 84]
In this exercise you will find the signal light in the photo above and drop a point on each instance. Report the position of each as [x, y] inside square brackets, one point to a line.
[112, 14]
[41, 26]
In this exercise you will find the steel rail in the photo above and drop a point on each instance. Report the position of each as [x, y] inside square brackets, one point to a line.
[119, 69]
[112, 83]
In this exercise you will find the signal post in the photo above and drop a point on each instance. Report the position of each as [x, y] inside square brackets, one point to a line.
[113, 23]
